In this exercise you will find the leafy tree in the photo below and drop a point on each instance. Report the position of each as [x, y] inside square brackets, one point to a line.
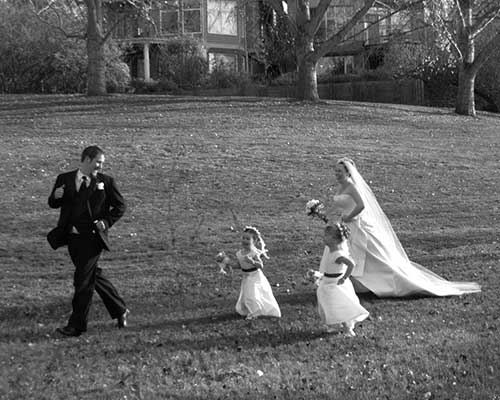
[464, 24]
[37, 58]
[87, 20]
[34, 57]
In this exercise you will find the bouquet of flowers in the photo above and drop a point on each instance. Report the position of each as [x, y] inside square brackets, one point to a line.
[314, 208]
[313, 276]
[223, 261]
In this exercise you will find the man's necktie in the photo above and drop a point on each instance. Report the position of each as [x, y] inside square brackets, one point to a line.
[84, 185]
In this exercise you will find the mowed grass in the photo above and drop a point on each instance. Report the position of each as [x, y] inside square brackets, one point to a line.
[193, 170]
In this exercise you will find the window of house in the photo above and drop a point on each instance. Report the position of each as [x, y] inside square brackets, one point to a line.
[170, 21]
[191, 16]
[222, 17]
[185, 17]
[226, 61]
[385, 28]
[373, 28]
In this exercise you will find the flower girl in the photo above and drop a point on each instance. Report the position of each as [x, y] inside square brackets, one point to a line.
[256, 296]
[337, 301]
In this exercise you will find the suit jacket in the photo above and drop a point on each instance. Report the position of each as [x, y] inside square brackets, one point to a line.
[104, 203]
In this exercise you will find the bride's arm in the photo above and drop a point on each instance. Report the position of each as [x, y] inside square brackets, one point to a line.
[360, 205]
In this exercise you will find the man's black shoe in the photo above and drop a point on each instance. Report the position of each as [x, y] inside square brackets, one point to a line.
[69, 331]
[122, 319]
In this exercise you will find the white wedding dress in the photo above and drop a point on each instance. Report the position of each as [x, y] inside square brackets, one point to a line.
[382, 266]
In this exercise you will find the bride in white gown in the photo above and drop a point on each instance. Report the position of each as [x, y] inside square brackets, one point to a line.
[382, 266]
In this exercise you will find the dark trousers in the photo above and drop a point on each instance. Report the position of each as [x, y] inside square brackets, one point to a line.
[85, 250]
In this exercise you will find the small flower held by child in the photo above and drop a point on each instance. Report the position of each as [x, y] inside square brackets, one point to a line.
[223, 262]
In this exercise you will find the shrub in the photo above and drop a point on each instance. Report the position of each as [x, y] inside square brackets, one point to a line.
[65, 71]
[222, 77]
[287, 79]
[435, 66]
[182, 61]
[117, 71]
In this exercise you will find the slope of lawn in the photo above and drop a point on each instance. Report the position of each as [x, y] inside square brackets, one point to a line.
[194, 170]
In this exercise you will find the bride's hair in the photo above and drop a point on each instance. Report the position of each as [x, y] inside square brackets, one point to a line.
[258, 240]
[343, 161]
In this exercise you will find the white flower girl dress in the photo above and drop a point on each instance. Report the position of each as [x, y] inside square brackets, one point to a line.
[337, 304]
[256, 296]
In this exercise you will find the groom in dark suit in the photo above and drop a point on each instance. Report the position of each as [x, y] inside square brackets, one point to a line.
[90, 204]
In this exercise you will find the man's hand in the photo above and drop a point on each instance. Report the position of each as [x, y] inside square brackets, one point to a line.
[100, 225]
[59, 192]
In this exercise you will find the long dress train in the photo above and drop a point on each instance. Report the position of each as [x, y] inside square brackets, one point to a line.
[382, 266]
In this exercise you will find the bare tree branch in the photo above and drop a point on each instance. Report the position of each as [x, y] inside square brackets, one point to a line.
[385, 17]
[484, 22]
[59, 27]
[461, 13]
[319, 15]
[337, 38]
[441, 26]
[488, 50]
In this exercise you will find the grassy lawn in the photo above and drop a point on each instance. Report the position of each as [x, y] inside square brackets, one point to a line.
[192, 169]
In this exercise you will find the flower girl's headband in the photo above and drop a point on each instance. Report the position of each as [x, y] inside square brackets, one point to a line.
[255, 232]
[343, 230]
[339, 230]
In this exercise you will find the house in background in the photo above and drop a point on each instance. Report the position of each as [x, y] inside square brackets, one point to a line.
[229, 29]
[219, 25]
[364, 46]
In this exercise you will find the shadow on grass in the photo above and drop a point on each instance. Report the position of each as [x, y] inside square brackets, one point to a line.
[30, 312]
[205, 320]
[82, 103]
[31, 323]
[203, 334]
[441, 111]
[299, 298]
[309, 297]
[260, 333]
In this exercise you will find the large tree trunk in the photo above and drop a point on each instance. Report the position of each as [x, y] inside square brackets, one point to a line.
[96, 78]
[467, 70]
[96, 71]
[307, 84]
[465, 102]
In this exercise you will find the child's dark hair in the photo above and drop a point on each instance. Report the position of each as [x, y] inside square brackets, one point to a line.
[339, 230]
